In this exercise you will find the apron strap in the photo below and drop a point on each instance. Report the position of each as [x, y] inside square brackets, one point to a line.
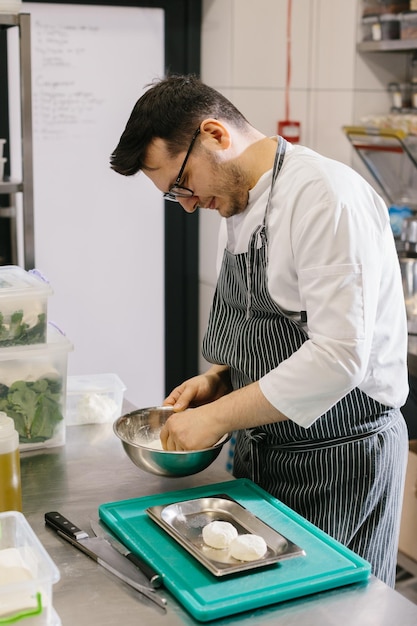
[261, 230]
[279, 159]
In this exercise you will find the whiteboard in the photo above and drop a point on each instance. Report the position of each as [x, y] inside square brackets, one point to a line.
[99, 237]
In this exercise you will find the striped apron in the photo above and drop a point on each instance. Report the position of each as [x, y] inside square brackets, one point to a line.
[345, 473]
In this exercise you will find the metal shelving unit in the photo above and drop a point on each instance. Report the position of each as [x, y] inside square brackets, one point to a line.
[387, 45]
[25, 185]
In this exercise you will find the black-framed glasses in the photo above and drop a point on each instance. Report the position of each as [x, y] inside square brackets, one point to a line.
[176, 190]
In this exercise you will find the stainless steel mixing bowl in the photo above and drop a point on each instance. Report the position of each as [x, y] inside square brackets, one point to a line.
[139, 431]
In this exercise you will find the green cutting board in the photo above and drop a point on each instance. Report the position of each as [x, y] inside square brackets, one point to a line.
[326, 564]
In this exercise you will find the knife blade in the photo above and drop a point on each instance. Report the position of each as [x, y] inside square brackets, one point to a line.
[100, 530]
[103, 553]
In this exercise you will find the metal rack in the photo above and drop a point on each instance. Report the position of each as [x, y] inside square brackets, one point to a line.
[387, 45]
[391, 157]
[24, 186]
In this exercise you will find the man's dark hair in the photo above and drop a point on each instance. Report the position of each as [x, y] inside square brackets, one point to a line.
[171, 109]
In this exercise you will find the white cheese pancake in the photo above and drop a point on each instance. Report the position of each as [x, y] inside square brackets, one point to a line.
[248, 547]
[219, 534]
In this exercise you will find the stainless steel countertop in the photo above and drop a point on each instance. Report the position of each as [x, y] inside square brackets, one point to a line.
[91, 469]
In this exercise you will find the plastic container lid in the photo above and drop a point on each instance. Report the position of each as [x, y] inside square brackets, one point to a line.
[390, 17]
[407, 15]
[9, 437]
[57, 341]
[17, 282]
[7, 428]
[369, 19]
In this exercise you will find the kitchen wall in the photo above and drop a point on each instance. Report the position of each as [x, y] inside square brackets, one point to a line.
[244, 56]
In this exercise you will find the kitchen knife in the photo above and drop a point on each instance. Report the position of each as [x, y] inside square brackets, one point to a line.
[100, 531]
[103, 553]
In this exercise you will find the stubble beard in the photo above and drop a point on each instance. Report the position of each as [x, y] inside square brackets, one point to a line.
[232, 177]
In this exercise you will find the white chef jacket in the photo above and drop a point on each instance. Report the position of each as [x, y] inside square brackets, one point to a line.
[331, 253]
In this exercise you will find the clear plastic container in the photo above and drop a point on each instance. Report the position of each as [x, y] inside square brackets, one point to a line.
[33, 381]
[409, 25]
[371, 28]
[27, 575]
[23, 306]
[414, 96]
[390, 26]
[400, 94]
[94, 399]
[381, 26]
[396, 98]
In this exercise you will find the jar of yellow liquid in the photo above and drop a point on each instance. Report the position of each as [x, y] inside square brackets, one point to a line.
[10, 484]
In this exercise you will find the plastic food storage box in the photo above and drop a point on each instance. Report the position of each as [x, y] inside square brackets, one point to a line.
[409, 25]
[33, 381]
[23, 307]
[25, 595]
[94, 399]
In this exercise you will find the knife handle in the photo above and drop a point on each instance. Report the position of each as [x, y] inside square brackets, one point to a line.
[59, 522]
[153, 577]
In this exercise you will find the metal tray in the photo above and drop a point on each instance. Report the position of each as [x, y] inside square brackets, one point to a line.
[185, 520]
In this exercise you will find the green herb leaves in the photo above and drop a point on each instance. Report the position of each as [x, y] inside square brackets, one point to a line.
[34, 406]
[16, 332]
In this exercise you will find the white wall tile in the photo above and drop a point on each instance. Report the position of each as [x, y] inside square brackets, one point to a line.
[376, 69]
[368, 103]
[259, 39]
[331, 110]
[333, 44]
[302, 27]
[217, 42]
[262, 107]
[300, 111]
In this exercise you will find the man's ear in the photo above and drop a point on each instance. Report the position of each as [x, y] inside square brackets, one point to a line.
[214, 134]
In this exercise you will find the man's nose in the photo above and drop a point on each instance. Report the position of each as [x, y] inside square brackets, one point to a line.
[189, 204]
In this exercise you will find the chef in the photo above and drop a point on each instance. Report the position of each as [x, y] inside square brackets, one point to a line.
[307, 334]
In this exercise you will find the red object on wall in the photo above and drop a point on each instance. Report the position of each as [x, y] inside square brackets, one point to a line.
[287, 128]
[290, 130]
